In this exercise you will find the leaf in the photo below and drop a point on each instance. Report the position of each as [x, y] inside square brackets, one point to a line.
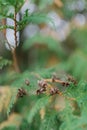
[7, 4]
[19, 4]
[42, 102]
[12, 101]
[20, 82]
[6, 27]
[50, 121]
[77, 64]
[4, 62]
[35, 18]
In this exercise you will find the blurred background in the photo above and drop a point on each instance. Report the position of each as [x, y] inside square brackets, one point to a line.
[57, 42]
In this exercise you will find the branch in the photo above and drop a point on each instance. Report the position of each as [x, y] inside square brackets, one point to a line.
[15, 28]
[15, 62]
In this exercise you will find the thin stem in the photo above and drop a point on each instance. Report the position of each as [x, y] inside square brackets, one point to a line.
[15, 62]
[12, 48]
[56, 80]
[15, 28]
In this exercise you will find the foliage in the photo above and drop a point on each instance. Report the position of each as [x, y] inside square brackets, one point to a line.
[4, 62]
[43, 86]
[50, 43]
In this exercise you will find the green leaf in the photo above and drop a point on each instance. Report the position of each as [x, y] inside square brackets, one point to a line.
[42, 102]
[4, 62]
[12, 101]
[10, 128]
[6, 26]
[77, 64]
[35, 18]
[16, 4]
[20, 82]
[50, 121]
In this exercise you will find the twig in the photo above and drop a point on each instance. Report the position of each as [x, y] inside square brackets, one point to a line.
[15, 28]
[57, 81]
[15, 62]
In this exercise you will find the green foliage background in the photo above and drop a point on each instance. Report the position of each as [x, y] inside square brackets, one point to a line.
[44, 112]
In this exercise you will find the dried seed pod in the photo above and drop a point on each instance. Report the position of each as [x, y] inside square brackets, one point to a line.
[27, 82]
[42, 83]
[71, 79]
[41, 90]
[54, 91]
[21, 92]
[63, 83]
[38, 92]
[66, 84]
